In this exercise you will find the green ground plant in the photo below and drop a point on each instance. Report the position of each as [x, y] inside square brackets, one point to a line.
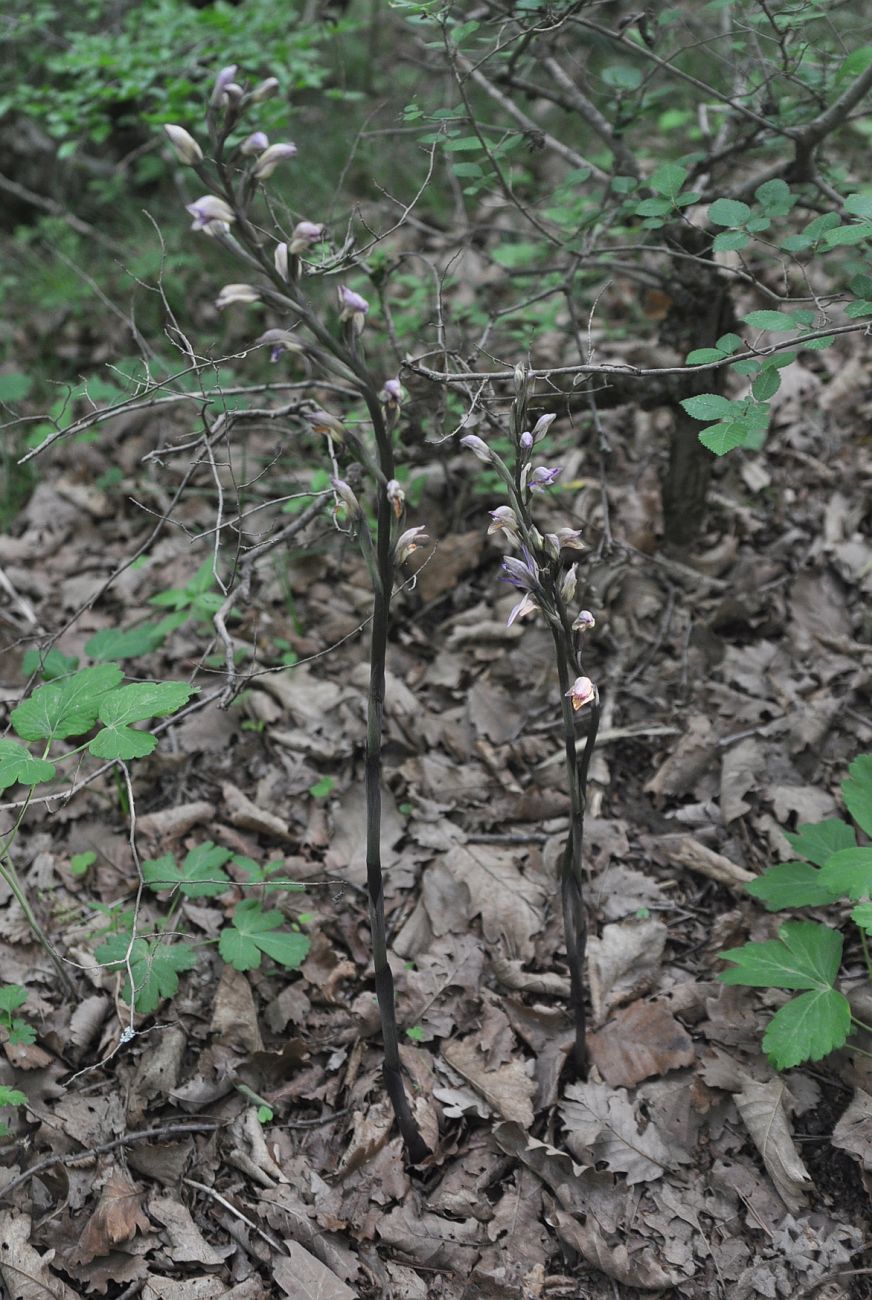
[831, 870]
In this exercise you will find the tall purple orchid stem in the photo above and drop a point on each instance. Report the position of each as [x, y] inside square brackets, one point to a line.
[348, 354]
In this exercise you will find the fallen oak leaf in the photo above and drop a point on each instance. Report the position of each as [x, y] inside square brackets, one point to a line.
[118, 1217]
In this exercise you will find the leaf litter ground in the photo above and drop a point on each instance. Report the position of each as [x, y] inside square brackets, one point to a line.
[736, 682]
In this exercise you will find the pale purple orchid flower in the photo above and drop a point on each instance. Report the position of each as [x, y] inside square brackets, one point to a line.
[351, 304]
[526, 605]
[265, 90]
[396, 497]
[270, 159]
[504, 520]
[478, 447]
[543, 477]
[526, 441]
[347, 497]
[210, 211]
[581, 692]
[523, 573]
[392, 393]
[541, 427]
[305, 235]
[584, 621]
[254, 143]
[185, 146]
[232, 293]
[279, 342]
[280, 260]
[568, 584]
[322, 421]
[408, 542]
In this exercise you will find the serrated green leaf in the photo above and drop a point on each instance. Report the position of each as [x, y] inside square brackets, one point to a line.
[729, 343]
[253, 933]
[155, 967]
[702, 355]
[857, 792]
[818, 841]
[846, 236]
[805, 955]
[710, 406]
[18, 765]
[12, 996]
[862, 914]
[776, 197]
[51, 664]
[130, 704]
[12, 1096]
[848, 873]
[790, 884]
[668, 179]
[21, 1033]
[114, 643]
[723, 438]
[201, 875]
[65, 708]
[652, 207]
[80, 862]
[729, 212]
[807, 1028]
[774, 321]
[766, 384]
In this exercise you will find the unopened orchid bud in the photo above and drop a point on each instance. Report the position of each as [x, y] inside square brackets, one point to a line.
[543, 478]
[396, 497]
[352, 307]
[569, 539]
[323, 422]
[265, 90]
[208, 211]
[584, 621]
[526, 441]
[526, 605]
[222, 81]
[232, 293]
[392, 393]
[542, 425]
[304, 236]
[568, 584]
[280, 260]
[478, 447]
[581, 692]
[347, 497]
[254, 143]
[279, 342]
[504, 520]
[270, 159]
[185, 146]
[408, 542]
[520, 379]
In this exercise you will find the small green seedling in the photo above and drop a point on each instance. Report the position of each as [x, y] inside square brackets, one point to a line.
[80, 862]
[17, 1031]
[831, 867]
[10, 1097]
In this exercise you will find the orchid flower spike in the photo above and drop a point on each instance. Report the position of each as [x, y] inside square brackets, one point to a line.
[543, 477]
[265, 90]
[353, 308]
[280, 260]
[568, 584]
[523, 573]
[279, 342]
[526, 605]
[224, 79]
[504, 520]
[254, 143]
[392, 393]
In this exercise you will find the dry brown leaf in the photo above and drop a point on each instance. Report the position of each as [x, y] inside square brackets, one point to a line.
[854, 1130]
[87, 1018]
[303, 1277]
[27, 1056]
[761, 1106]
[636, 1269]
[510, 904]
[190, 1288]
[688, 760]
[248, 817]
[623, 963]
[234, 1014]
[157, 1071]
[603, 1127]
[24, 1272]
[685, 851]
[118, 1216]
[187, 1243]
[169, 823]
[508, 1089]
[638, 1043]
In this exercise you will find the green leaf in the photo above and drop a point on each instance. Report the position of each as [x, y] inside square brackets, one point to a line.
[668, 179]
[729, 343]
[710, 406]
[12, 996]
[845, 236]
[848, 873]
[20, 1032]
[859, 205]
[12, 1096]
[722, 438]
[730, 241]
[155, 967]
[857, 792]
[14, 387]
[804, 956]
[135, 704]
[862, 914]
[51, 664]
[790, 884]
[200, 875]
[66, 708]
[729, 212]
[766, 384]
[653, 207]
[818, 841]
[80, 862]
[253, 934]
[125, 643]
[807, 1028]
[775, 197]
[855, 63]
[18, 765]
[322, 788]
[703, 355]
[774, 321]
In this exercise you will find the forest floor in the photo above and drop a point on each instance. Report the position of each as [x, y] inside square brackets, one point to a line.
[737, 686]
